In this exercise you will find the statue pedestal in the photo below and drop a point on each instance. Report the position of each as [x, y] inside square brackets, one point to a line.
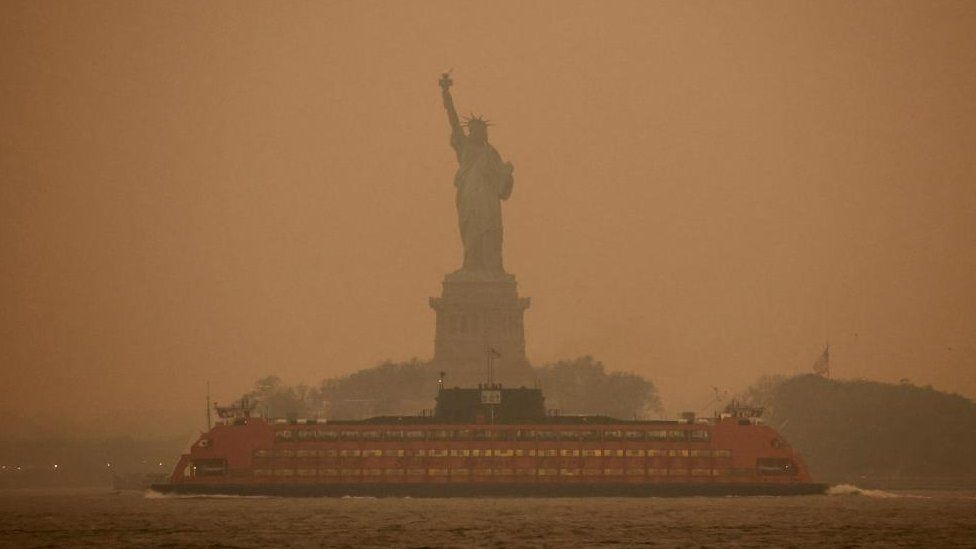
[478, 311]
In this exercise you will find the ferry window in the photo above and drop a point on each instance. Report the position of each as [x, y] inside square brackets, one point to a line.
[699, 435]
[568, 435]
[210, 467]
[589, 435]
[634, 435]
[722, 453]
[440, 435]
[306, 453]
[262, 453]
[371, 435]
[305, 434]
[612, 435]
[349, 435]
[657, 453]
[393, 435]
[775, 466]
[283, 435]
[676, 435]
[657, 435]
[327, 435]
[480, 434]
[525, 435]
[501, 435]
[547, 435]
[414, 435]
[462, 434]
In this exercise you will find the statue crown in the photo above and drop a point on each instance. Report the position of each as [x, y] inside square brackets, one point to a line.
[476, 121]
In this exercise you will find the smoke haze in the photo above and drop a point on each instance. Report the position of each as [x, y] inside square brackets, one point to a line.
[706, 193]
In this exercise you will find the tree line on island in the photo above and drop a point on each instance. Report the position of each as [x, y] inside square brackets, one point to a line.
[579, 386]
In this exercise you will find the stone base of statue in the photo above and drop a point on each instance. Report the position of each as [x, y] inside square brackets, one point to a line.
[479, 318]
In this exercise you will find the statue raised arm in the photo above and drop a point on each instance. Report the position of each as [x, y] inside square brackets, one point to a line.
[457, 131]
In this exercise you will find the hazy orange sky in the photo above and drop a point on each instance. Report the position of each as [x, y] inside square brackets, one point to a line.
[704, 192]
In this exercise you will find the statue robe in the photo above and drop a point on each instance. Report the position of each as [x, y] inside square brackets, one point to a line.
[482, 181]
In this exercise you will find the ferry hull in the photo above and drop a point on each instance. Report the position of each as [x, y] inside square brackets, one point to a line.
[416, 490]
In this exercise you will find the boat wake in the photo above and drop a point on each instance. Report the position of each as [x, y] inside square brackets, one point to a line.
[851, 490]
[152, 494]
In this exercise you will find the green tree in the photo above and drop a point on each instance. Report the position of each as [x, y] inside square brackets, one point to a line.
[583, 386]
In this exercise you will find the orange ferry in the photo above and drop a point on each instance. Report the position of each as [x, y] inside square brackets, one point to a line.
[492, 441]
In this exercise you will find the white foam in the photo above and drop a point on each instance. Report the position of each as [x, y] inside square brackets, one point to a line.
[152, 494]
[851, 490]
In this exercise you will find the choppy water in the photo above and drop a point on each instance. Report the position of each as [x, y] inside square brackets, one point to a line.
[846, 517]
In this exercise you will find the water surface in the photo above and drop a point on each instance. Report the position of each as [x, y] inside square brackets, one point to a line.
[845, 517]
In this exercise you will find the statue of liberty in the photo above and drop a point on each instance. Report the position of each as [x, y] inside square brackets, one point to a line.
[482, 182]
